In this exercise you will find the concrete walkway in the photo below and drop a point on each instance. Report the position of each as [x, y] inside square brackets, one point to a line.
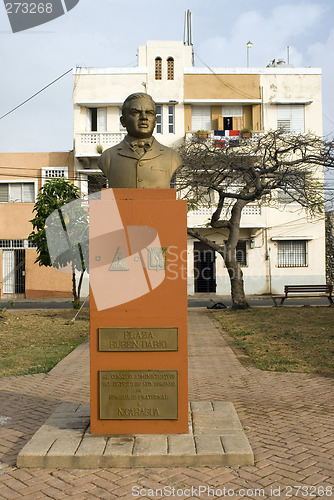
[288, 419]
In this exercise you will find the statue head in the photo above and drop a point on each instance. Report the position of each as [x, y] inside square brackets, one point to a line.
[139, 115]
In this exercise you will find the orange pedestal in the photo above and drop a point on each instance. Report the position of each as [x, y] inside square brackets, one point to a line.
[138, 313]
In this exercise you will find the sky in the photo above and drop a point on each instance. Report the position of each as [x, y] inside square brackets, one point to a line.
[102, 33]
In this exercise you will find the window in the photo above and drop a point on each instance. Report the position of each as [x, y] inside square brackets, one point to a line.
[170, 68]
[232, 110]
[158, 68]
[159, 119]
[241, 253]
[200, 118]
[54, 173]
[121, 127]
[171, 119]
[292, 253]
[290, 118]
[96, 119]
[286, 198]
[17, 192]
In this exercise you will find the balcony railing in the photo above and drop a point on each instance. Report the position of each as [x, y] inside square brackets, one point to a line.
[86, 142]
[222, 141]
[252, 209]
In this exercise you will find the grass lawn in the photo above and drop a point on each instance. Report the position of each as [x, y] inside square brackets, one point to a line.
[35, 341]
[296, 339]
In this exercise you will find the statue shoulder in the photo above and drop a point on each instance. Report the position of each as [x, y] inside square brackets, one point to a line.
[106, 157]
[174, 155]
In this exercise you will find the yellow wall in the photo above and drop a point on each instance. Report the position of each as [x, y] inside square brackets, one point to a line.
[15, 219]
[187, 118]
[43, 282]
[222, 86]
[215, 112]
[28, 166]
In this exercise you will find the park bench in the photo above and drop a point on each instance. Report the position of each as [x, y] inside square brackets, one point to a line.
[300, 291]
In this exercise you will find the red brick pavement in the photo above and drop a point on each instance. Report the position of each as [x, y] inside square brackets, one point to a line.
[288, 419]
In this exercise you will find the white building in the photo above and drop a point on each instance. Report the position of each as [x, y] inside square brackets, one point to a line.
[277, 246]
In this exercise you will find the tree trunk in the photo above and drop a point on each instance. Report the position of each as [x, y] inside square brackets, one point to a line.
[228, 254]
[236, 279]
[75, 302]
[234, 270]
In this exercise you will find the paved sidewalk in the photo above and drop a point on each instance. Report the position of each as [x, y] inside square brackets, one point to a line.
[288, 419]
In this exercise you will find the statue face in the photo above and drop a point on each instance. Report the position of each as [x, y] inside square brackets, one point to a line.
[139, 118]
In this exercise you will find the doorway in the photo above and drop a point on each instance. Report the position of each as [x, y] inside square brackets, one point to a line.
[204, 268]
[13, 271]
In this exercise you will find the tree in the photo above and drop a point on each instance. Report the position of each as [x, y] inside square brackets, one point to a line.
[252, 171]
[61, 234]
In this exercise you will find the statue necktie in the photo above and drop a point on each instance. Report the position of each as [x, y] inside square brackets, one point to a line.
[140, 147]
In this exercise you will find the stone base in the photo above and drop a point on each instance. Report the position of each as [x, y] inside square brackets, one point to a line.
[216, 438]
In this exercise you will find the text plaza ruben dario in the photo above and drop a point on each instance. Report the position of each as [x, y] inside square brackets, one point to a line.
[138, 344]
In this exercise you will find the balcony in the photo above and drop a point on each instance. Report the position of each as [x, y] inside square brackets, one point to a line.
[86, 143]
[228, 138]
[253, 216]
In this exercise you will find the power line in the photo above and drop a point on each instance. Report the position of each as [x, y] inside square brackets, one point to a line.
[49, 84]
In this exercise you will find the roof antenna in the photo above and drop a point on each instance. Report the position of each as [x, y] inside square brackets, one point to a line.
[188, 36]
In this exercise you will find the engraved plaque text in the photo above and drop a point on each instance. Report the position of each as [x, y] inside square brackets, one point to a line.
[138, 339]
[138, 394]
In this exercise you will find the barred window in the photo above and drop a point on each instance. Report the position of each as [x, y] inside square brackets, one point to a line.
[158, 68]
[170, 68]
[241, 252]
[292, 253]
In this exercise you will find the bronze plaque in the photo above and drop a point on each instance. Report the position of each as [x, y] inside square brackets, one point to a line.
[138, 394]
[138, 339]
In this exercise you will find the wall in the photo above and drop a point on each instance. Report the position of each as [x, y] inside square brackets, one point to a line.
[44, 282]
[28, 166]
[221, 86]
[262, 274]
[15, 218]
[298, 86]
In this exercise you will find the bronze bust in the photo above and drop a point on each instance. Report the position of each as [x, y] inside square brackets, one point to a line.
[139, 161]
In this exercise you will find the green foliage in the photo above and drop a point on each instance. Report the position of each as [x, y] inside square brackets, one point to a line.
[63, 229]
[54, 194]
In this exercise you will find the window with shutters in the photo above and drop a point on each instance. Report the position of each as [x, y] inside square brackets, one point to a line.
[290, 118]
[159, 119]
[232, 110]
[171, 119]
[96, 119]
[292, 253]
[200, 118]
[17, 192]
[170, 68]
[158, 68]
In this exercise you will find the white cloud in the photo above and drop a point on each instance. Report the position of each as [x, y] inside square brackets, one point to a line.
[270, 35]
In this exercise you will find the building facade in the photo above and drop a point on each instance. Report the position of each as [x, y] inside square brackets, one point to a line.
[22, 175]
[278, 245]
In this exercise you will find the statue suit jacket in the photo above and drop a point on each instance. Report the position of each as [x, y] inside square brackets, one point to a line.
[125, 169]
